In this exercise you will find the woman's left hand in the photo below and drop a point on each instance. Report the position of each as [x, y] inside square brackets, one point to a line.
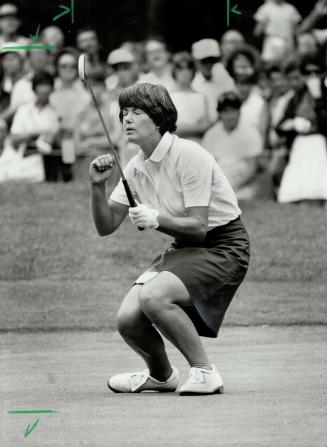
[143, 216]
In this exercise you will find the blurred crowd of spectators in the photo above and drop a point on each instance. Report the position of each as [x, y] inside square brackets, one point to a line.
[256, 109]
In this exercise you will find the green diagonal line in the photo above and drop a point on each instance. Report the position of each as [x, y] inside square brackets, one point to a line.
[67, 11]
[235, 11]
[30, 47]
[31, 411]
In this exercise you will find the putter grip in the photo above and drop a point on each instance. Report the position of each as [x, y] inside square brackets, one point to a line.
[130, 197]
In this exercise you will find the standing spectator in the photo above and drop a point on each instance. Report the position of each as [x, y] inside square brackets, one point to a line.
[192, 107]
[68, 99]
[53, 36]
[34, 132]
[281, 93]
[126, 69]
[9, 25]
[316, 22]
[230, 41]
[235, 146]
[305, 176]
[14, 84]
[277, 22]
[254, 110]
[212, 78]
[87, 42]
[89, 136]
[158, 63]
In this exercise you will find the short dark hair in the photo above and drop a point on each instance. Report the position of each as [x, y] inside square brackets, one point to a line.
[250, 53]
[42, 77]
[86, 29]
[154, 100]
[229, 99]
[66, 50]
[183, 59]
[291, 65]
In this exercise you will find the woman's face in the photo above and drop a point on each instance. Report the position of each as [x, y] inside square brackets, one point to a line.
[184, 76]
[67, 67]
[138, 126]
[242, 66]
[11, 63]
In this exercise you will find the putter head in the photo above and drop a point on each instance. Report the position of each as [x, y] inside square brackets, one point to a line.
[81, 67]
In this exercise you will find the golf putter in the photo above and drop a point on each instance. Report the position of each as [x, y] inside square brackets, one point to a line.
[84, 79]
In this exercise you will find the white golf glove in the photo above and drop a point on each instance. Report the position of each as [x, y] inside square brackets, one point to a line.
[143, 216]
[301, 125]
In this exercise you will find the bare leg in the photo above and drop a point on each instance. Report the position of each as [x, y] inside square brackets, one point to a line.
[161, 300]
[139, 333]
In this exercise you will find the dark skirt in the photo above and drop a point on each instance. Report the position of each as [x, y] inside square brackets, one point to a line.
[211, 272]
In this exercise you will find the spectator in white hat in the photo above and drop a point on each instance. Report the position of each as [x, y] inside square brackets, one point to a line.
[158, 62]
[9, 24]
[212, 78]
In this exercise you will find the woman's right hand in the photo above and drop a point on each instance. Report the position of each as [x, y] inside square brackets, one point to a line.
[101, 168]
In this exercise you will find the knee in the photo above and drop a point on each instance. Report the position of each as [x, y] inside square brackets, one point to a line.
[151, 300]
[126, 324]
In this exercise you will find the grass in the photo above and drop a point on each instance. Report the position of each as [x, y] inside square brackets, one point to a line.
[57, 273]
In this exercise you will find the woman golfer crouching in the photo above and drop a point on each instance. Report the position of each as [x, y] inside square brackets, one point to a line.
[181, 191]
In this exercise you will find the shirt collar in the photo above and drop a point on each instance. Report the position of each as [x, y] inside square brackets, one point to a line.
[159, 152]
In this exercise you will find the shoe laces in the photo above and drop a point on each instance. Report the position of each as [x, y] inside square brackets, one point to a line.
[138, 378]
[196, 375]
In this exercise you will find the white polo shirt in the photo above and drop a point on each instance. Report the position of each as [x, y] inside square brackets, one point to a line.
[178, 175]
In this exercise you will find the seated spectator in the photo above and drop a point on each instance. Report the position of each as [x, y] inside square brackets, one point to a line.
[254, 109]
[9, 25]
[33, 134]
[89, 136]
[125, 68]
[230, 41]
[69, 99]
[277, 22]
[157, 58]
[305, 176]
[235, 146]
[211, 78]
[192, 107]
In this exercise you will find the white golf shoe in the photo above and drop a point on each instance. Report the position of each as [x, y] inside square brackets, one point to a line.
[142, 381]
[202, 381]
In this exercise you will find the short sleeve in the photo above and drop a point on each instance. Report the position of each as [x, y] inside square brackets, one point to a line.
[295, 16]
[196, 178]
[119, 193]
[261, 15]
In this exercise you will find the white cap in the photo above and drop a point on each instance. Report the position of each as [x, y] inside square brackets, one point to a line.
[8, 9]
[120, 56]
[205, 48]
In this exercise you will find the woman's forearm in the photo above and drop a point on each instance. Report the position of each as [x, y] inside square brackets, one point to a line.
[189, 229]
[101, 213]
